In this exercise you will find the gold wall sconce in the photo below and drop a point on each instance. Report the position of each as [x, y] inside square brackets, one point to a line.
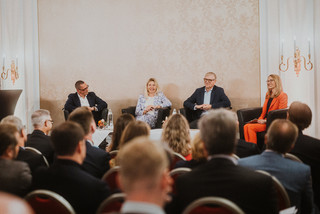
[13, 70]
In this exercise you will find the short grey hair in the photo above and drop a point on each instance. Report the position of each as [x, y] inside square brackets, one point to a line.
[218, 131]
[14, 121]
[39, 117]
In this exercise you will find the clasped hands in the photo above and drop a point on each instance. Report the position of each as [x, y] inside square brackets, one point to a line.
[205, 107]
[150, 108]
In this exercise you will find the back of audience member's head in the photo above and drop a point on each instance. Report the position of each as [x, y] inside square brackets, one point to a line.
[218, 131]
[134, 129]
[176, 133]
[83, 117]
[66, 137]
[18, 124]
[281, 136]
[11, 204]
[300, 114]
[8, 141]
[119, 127]
[40, 117]
[197, 148]
[142, 163]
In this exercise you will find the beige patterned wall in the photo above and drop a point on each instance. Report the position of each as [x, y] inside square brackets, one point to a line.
[116, 45]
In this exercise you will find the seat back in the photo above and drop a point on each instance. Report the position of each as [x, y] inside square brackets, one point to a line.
[130, 110]
[175, 158]
[162, 114]
[36, 151]
[9, 100]
[245, 115]
[292, 157]
[276, 114]
[216, 205]
[175, 173]
[112, 204]
[45, 201]
[111, 178]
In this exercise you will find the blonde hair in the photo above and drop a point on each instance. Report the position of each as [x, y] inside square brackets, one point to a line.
[197, 148]
[176, 134]
[278, 89]
[146, 93]
[132, 130]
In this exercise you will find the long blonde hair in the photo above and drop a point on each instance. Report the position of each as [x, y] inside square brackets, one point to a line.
[176, 134]
[277, 90]
[146, 94]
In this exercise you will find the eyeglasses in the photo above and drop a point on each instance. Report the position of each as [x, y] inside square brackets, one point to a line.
[270, 80]
[208, 80]
[86, 88]
[51, 121]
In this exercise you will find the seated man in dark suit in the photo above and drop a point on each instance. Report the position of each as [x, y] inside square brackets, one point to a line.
[144, 176]
[294, 176]
[39, 139]
[253, 192]
[306, 148]
[65, 177]
[85, 98]
[32, 159]
[97, 160]
[15, 176]
[205, 98]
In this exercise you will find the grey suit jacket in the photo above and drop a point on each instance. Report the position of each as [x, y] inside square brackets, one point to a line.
[15, 177]
[294, 176]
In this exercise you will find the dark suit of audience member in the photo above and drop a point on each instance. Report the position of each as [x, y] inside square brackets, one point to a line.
[196, 104]
[220, 176]
[65, 176]
[96, 162]
[294, 176]
[306, 148]
[15, 176]
[245, 149]
[38, 140]
[95, 104]
[33, 160]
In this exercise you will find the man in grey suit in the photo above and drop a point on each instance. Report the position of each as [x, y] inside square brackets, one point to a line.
[294, 176]
[15, 176]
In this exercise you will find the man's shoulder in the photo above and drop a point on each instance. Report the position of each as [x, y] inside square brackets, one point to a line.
[73, 95]
[96, 152]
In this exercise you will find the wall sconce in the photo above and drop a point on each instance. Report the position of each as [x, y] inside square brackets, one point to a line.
[13, 68]
[296, 60]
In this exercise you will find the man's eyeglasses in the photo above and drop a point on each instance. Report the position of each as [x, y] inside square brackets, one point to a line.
[208, 80]
[51, 121]
[86, 88]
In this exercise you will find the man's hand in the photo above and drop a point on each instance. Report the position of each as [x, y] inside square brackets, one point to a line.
[206, 107]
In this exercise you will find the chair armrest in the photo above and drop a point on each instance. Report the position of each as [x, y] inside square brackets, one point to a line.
[66, 114]
[276, 114]
[245, 115]
[183, 112]
[130, 110]
[162, 114]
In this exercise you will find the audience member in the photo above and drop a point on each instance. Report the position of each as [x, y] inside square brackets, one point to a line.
[96, 161]
[134, 129]
[149, 103]
[176, 133]
[85, 98]
[199, 154]
[65, 177]
[118, 129]
[205, 98]
[39, 139]
[10, 204]
[253, 192]
[275, 99]
[306, 148]
[15, 176]
[294, 176]
[146, 186]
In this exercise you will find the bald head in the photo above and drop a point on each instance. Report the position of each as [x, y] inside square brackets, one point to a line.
[300, 114]
[11, 204]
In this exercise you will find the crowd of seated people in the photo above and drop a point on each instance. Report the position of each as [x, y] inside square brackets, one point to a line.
[76, 166]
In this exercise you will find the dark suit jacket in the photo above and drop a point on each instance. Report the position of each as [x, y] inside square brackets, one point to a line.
[294, 176]
[37, 139]
[245, 149]
[65, 177]
[15, 177]
[33, 160]
[308, 150]
[251, 191]
[73, 102]
[218, 100]
[96, 162]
